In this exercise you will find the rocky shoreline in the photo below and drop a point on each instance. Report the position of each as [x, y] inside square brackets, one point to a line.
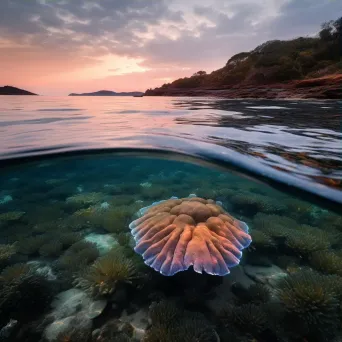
[327, 87]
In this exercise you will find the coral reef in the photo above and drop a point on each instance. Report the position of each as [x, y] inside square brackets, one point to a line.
[78, 256]
[31, 245]
[178, 233]
[277, 227]
[23, 294]
[51, 249]
[124, 239]
[85, 198]
[171, 323]
[116, 220]
[76, 233]
[326, 262]
[11, 216]
[6, 251]
[153, 192]
[299, 210]
[311, 304]
[11, 273]
[164, 311]
[68, 239]
[248, 318]
[260, 240]
[251, 204]
[303, 244]
[103, 277]
[255, 293]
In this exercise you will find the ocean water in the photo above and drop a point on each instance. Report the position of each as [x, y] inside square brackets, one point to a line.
[170, 219]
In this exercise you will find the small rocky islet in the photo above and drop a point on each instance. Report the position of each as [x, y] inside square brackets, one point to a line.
[71, 235]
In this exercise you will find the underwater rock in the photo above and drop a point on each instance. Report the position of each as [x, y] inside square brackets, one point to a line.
[6, 199]
[7, 330]
[104, 205]
[95, 308]
[138, 321]
[146, 184]
[224, 293]
[78, 325]
[103, 242]
[73, 301]
[265, 275]
[114, 330]
[175, 234]
[44, 270]
[72, 314]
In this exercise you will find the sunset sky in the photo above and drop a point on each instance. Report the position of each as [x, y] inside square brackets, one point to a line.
[54, 47]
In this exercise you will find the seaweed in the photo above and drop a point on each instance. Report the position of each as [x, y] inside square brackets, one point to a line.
[250, 319]
[107, 272]
[172, 323]
[326, 262]
[24, 294]
[311, 305]
[51, 249]
[6, 252]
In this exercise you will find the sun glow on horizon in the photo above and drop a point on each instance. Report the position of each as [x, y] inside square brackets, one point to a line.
[108, 65]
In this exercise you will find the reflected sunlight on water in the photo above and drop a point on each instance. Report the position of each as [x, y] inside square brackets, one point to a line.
[286, 136]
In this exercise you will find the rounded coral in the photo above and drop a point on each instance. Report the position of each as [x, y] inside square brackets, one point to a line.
[175, 234]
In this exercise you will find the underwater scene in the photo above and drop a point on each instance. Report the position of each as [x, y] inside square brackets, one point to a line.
[118, 248]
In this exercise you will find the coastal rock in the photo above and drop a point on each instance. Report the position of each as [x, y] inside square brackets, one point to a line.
[315, 88]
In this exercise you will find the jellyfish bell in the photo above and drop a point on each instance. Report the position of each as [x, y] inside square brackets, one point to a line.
[175, 234]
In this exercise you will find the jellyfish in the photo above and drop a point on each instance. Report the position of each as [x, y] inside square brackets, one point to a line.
[175, 234]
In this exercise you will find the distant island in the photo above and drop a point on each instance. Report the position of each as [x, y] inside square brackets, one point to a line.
[9, 90]
[109, 93]
[305, 67]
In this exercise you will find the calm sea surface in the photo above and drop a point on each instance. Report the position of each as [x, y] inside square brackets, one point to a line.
[295, 142]
[118, 209]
